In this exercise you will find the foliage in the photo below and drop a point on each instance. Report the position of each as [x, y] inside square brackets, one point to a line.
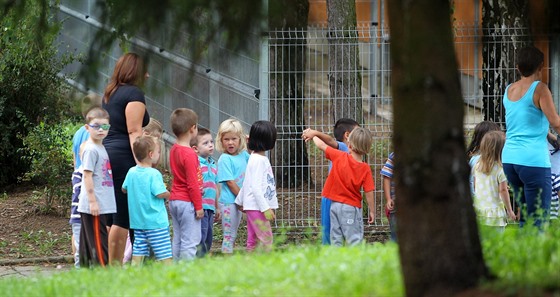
[30, 89]
[525, 260]
[48, 148]
[41, 240]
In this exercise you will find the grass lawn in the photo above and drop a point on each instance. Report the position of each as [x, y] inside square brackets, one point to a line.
[525, 262]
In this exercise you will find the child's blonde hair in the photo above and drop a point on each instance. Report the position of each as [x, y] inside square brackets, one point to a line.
[153, 128]
[182, 119]
[360, 140]
[231, 126]
[490, 151]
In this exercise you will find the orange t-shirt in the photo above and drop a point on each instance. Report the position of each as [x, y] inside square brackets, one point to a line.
[346, 178]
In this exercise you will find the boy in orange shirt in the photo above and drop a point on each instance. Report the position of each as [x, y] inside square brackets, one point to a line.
[349, 174]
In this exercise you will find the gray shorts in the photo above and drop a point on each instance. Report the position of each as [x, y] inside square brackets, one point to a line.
[347, 224]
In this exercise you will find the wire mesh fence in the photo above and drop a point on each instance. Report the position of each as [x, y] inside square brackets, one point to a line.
[486, 65]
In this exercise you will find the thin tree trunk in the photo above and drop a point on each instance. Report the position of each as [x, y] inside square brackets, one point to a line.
[506, 28]
[345, 81]
[438, 237]
[287, 55]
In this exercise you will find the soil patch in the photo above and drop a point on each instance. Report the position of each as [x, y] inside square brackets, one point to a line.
[26, 233]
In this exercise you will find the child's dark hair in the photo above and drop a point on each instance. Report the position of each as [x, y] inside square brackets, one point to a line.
[529, 59]
[182, 119]
[479, 131]
[142, 146]
[262, 136]
[342, 126]
[96, 113]
[201, 132]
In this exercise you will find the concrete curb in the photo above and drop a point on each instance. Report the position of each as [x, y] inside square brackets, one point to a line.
[53, 259]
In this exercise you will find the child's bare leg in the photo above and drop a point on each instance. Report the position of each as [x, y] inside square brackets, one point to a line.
[137, 260]
[167, 261]
[117, 244]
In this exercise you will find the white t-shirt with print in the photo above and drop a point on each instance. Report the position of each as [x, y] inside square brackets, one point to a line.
[259, 188]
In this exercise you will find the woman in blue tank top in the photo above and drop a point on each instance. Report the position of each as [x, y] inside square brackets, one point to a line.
[529, 113]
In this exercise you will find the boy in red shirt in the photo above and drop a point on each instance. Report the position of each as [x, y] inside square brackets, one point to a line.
[349, 174]
[185, 203]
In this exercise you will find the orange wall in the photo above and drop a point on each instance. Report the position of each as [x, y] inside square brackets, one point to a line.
[465, 40]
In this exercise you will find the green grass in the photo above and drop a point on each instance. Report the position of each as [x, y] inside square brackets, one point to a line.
[525, 261]
[360, 271]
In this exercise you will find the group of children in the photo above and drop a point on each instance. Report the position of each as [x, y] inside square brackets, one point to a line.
[202, 190]
[489, 186]
[242, 181]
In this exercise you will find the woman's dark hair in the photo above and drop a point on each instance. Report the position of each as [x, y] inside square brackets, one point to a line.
[262, 136]
[342, 126]
[479, 131]
[529, 59]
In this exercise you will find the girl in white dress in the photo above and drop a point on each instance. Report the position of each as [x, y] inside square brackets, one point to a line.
[491, 200]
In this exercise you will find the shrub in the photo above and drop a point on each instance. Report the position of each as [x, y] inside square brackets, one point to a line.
[30, 89]
[48, 149]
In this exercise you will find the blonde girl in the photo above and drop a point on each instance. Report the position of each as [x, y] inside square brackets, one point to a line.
[491, 200]
[231, 142]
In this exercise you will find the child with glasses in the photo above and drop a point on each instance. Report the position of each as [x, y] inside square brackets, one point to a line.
[97, 197]
[80, 137]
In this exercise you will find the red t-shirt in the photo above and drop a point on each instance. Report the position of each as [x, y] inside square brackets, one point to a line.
[187, 176]
[346, 178]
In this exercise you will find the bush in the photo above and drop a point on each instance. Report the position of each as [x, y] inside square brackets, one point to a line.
[30, 89]
[48, 150]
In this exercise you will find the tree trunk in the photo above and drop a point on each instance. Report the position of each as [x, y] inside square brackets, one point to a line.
[345, 81]
[438, 235]
[506, 28]
[287, 55]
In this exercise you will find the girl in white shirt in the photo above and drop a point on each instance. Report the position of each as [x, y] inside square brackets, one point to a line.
[257, 196]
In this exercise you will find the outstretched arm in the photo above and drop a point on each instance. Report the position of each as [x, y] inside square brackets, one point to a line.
[328, 140]
[319, 143]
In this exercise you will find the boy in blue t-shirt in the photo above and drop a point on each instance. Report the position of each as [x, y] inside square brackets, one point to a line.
[342, 129]
[146, 193]
[203, 145]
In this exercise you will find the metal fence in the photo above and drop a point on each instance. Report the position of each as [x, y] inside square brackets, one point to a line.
[228, 84]
[300, 207]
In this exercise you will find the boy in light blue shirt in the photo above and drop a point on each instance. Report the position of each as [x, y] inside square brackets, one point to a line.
[146, 193]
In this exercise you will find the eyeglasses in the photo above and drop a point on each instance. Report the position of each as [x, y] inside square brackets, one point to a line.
[97, 127]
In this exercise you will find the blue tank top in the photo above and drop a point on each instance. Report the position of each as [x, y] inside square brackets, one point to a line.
[527, 127]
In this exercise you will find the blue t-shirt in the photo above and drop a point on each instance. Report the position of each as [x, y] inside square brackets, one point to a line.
[527, 127]
[209, 182]
[231, 168]
[341, 147]
[147, 212]
[474, 159]
[79, 137]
